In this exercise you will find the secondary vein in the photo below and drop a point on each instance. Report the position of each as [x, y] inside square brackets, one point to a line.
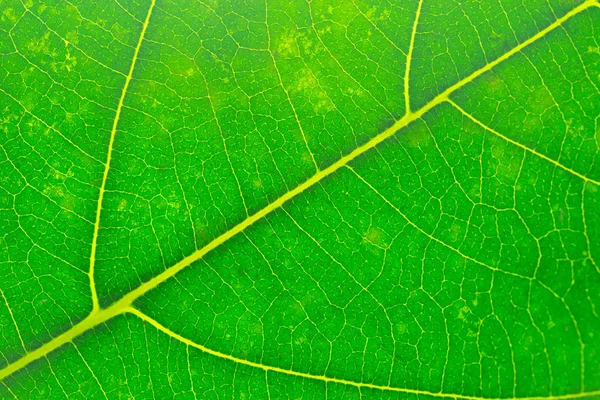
[268, 368]
[95, 302]
[411, 47]
[523, 147]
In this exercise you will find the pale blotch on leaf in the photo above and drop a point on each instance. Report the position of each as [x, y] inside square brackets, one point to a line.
[473, 191]
[174, 203]
[189, 72]
[577, 130]
[374, 15]
[455, 232]
[308, 86]
[299, 341]
[464, 312]
[53, 191]
[41, 8]
[377, 237]
[401, 328]
[71, 38]
[355, 91]
[530, 123]
[543, 100]
[68, 63]
[41, 45]
[287, 46]
[102, 23]
[122, 205]
[324, 31]
[9, 14]
[8, 120]
[293, 44]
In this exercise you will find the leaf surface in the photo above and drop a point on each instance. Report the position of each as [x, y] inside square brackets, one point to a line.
[303, 200]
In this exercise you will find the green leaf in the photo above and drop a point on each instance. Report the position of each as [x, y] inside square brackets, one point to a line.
[301, 199]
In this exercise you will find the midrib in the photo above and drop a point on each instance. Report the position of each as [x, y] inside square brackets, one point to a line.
[99, 316]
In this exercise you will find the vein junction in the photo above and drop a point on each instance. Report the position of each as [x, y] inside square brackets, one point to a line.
[99, 316]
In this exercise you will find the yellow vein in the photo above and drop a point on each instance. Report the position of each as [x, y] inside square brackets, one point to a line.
[323, 378]
[111, 142]
[527, 149]
[94, 319]
[14, 321]
[91, 370]
[10, 391]
[444, 95]
[99, 316]
[411, 47]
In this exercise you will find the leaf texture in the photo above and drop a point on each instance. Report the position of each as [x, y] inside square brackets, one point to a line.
[306, 199]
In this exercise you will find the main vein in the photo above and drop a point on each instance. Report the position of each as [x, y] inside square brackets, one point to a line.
[99, 316]
[113, 132]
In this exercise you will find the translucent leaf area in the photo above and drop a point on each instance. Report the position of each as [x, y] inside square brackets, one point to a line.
[300, 199]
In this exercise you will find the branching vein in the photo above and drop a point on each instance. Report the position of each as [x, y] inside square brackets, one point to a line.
[527, 149]
[411, 47]
[99, 316]
[109, 155]
[326, 379]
